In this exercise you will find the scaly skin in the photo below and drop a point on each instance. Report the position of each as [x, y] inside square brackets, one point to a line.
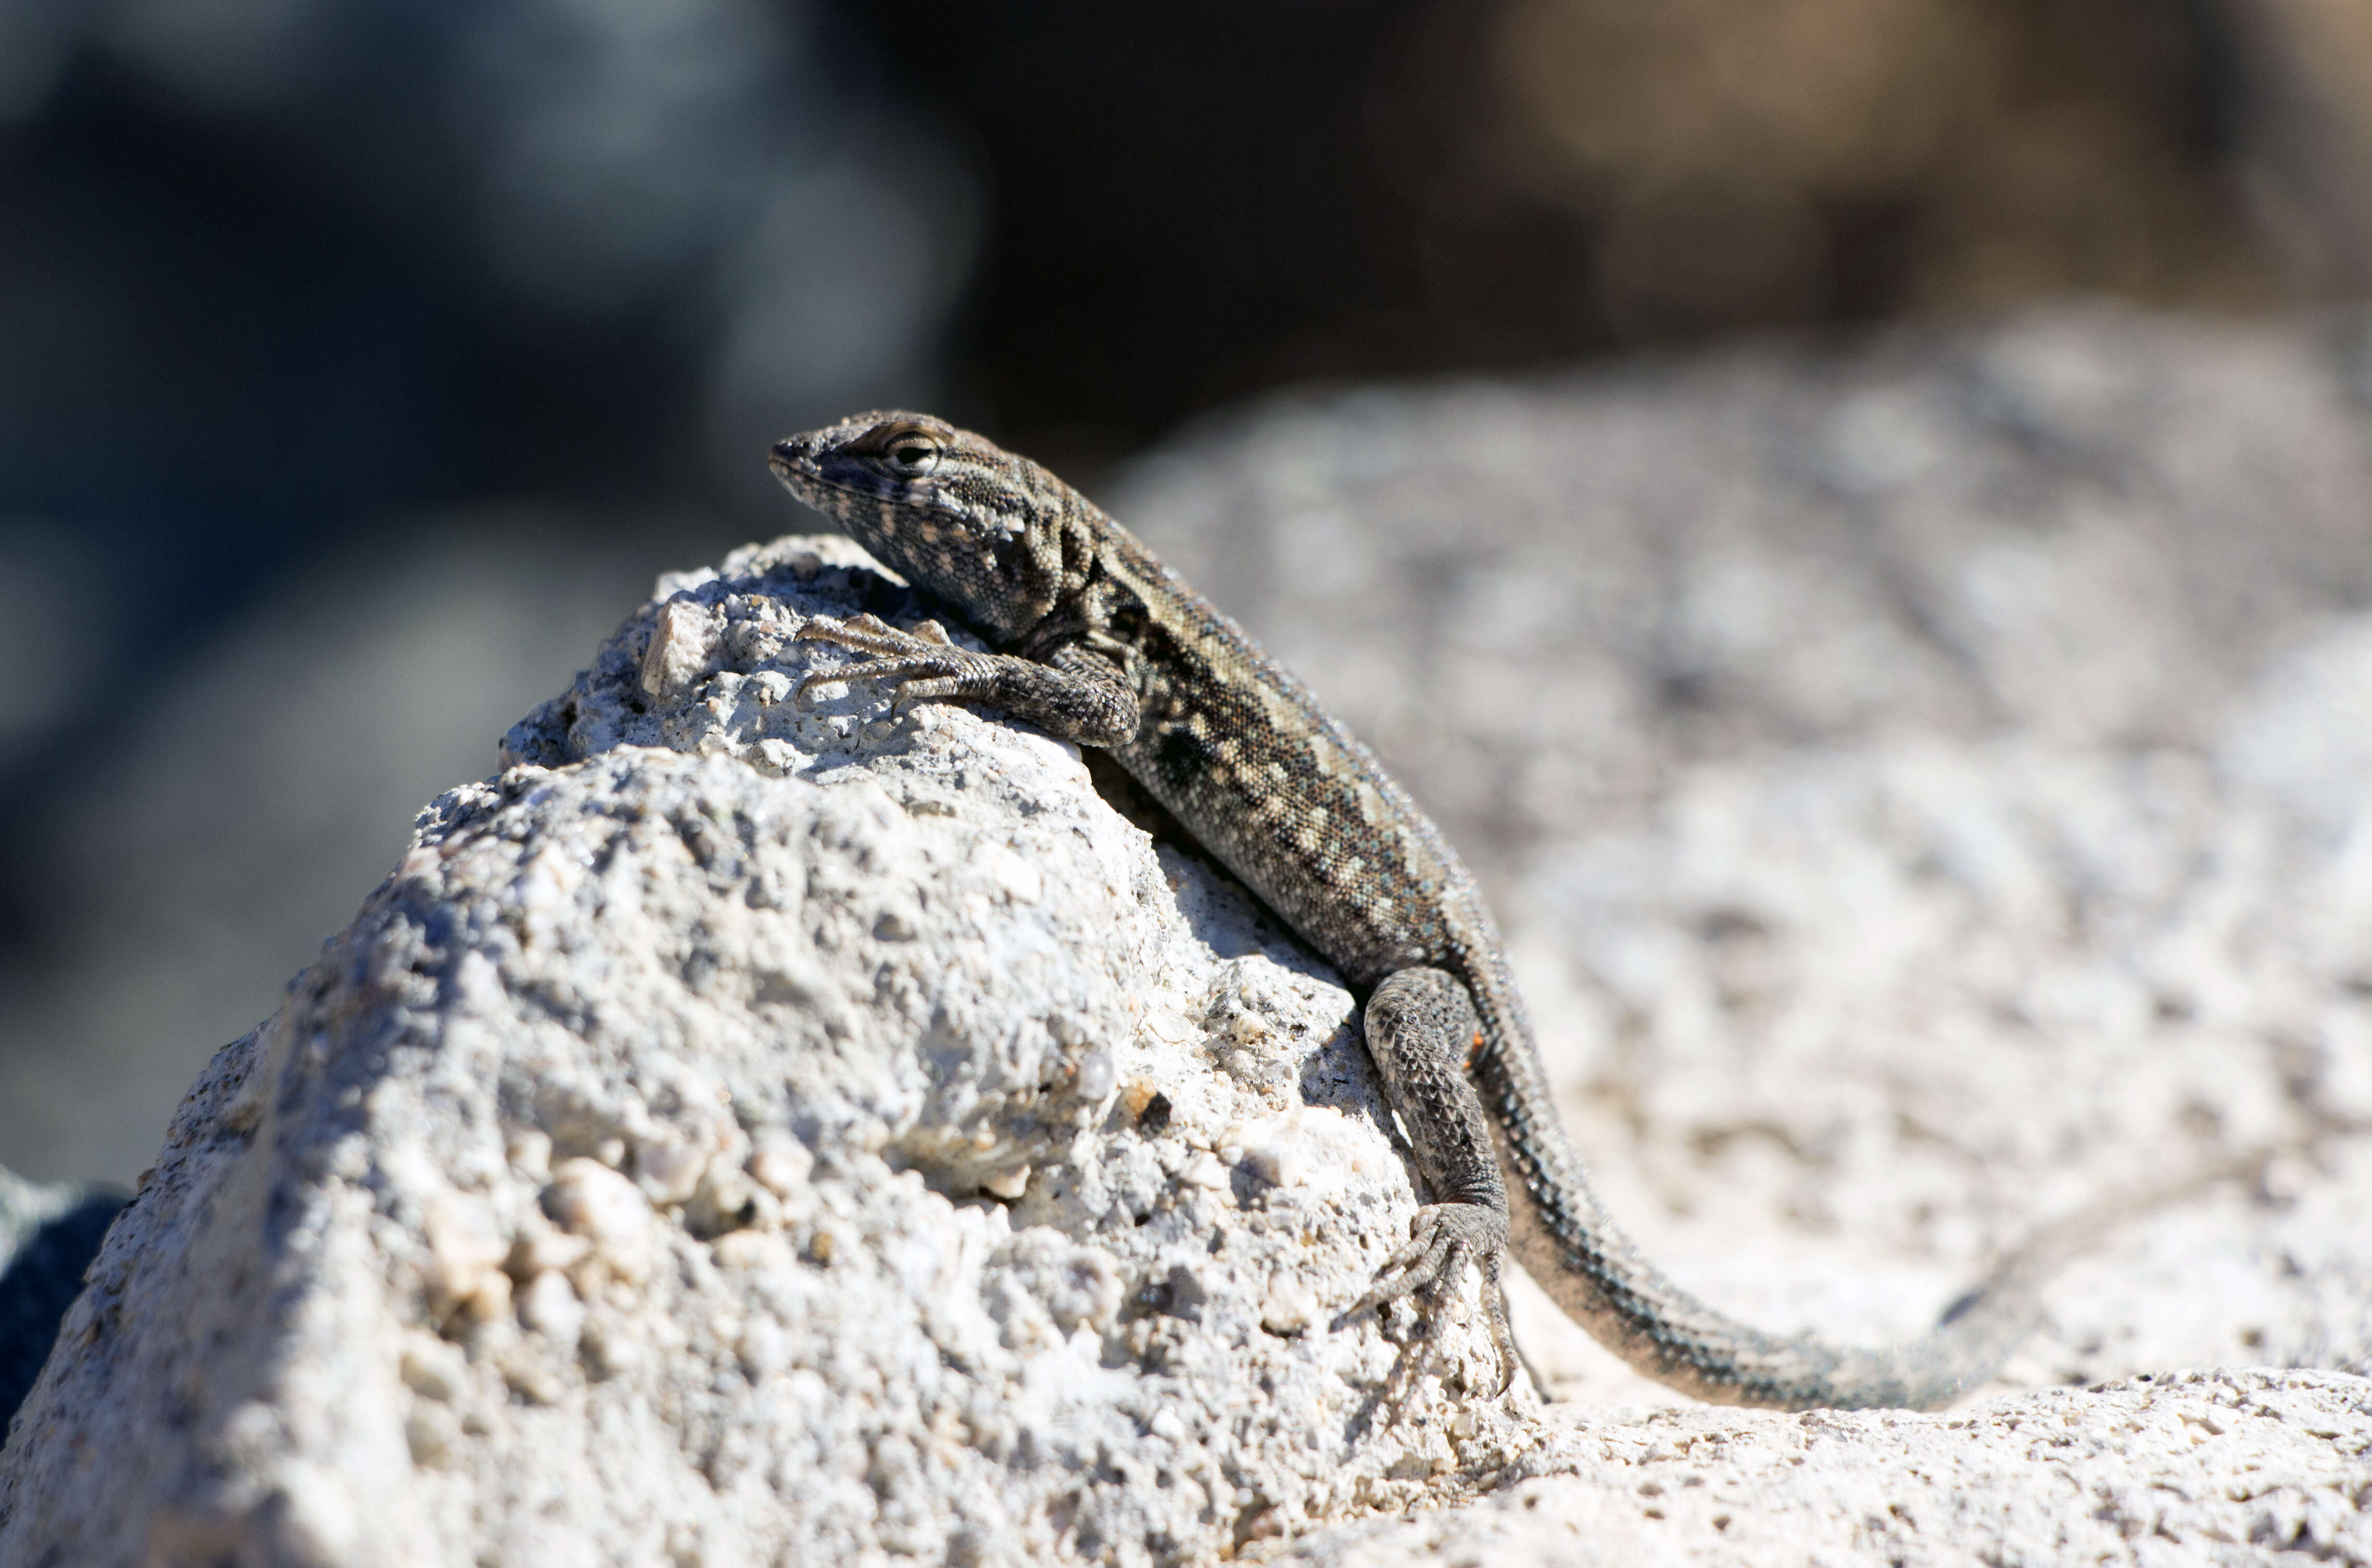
[1101, 644]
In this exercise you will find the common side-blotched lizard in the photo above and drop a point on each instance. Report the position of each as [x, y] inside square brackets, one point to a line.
[1102, 645]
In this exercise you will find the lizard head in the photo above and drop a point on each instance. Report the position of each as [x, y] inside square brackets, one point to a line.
[950, 511]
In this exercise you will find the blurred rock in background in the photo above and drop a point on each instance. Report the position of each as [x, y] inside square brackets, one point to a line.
[2082, 523]
[49, 1232]
[359, 363]
[242, 798]
[2301, 74]
[1277, 191]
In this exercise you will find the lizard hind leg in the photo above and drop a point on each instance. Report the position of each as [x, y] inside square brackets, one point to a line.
[1421, 1024]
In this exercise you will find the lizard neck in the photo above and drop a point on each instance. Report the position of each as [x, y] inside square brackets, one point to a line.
[1096, 580]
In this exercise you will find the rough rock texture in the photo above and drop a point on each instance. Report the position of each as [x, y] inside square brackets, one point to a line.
[754, 1134]
[1925, 791]
[2221, 1467]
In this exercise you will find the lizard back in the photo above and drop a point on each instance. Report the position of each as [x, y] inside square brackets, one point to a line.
[1246, 758]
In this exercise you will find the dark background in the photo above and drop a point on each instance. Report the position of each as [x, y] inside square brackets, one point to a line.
[360, 360]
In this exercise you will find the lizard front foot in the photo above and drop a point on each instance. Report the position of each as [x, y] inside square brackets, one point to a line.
[1444, 1239]
[923, 665]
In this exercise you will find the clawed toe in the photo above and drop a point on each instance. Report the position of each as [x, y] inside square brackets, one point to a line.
[1444, 1239]
[926, 662]
[1429, 1256]
[866, 633]
[1503, 1337]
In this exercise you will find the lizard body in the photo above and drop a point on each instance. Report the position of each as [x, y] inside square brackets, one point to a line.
[1101, 644]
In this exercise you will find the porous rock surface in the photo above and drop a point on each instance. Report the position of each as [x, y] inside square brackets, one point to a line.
[749, 1133]
[2245, 1467]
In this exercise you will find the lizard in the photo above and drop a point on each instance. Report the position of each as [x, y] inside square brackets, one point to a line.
[1096, 641]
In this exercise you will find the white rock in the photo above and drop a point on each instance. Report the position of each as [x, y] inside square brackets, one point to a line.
[679, 1150]
[683, 637]
[608, 1211]
[2194, 1468]
[549, 1306]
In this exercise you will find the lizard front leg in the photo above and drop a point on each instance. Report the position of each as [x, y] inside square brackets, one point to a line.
[1076, 692]
[1421, 1029]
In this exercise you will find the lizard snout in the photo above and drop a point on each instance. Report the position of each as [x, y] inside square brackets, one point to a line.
[793, 458]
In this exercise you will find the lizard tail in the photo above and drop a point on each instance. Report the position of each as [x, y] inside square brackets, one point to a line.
[1562, 1236]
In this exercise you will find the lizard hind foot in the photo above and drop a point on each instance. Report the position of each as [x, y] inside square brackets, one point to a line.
[1444, 1239]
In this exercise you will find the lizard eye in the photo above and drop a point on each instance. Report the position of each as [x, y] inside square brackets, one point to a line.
[911, 457]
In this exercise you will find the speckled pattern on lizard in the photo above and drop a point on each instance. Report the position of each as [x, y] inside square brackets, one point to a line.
[1100, 644]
